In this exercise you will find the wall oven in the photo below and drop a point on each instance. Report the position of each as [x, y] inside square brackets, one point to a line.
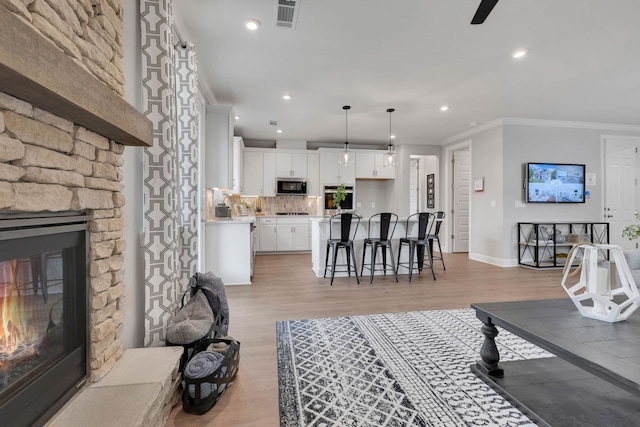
[330, 207]
[291, 187]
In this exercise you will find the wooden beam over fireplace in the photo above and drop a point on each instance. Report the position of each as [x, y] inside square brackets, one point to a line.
[34, 70]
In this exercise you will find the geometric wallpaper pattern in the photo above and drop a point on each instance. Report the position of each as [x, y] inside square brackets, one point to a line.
[161, 208]
[188, 127]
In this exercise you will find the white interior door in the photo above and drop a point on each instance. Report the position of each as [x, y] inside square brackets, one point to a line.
[620, 186]
[461, 194]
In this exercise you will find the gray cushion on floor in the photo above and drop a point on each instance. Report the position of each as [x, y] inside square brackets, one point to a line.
[192, 322]
[213, 284]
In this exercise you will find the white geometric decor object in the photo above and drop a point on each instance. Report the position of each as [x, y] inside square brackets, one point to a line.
[592, 295]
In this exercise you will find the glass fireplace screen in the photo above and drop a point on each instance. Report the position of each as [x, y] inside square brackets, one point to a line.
[43, 306]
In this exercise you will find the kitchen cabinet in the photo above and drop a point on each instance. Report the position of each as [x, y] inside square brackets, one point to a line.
[259, 173]
[267, 228]
[283, 234]
[331, 172]
[269, 175]
[371, 166]
[313, 175]
[253, 173]
[238, 165]
[218, 147]
[293, 234]
[229, 250]
[293, 165]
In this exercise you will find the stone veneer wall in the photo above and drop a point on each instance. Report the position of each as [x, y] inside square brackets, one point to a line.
[89, 31]
[49, 164]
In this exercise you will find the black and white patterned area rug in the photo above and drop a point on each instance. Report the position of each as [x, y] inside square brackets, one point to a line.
[400, 369]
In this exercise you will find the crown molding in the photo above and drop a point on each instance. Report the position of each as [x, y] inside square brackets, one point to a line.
[571, 124]
[477, 129]
[536, 122]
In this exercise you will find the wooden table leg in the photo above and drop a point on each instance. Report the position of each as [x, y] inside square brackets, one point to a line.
[489, 352]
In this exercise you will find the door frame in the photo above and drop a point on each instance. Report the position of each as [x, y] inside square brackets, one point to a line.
[448, 198]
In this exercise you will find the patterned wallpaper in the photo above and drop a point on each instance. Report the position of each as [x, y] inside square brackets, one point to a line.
[160, 169]
[188, 129]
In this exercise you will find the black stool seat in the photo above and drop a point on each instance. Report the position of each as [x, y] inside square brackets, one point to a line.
[418, 244]
[345, 241]
[383, 241]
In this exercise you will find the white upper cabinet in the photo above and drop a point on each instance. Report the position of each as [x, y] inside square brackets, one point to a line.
[313, 175]
[218, 148]
[269, 174]
[331, 172]
[381, 171]
[370, 165]
[253, 173]
[291, 165]
[238, 165]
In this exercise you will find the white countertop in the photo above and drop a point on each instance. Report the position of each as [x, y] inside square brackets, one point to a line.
[233, 220]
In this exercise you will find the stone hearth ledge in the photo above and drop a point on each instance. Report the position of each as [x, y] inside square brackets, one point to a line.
[140, 390]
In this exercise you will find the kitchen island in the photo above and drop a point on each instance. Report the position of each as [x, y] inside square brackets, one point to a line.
[320, 235]
[229, 249]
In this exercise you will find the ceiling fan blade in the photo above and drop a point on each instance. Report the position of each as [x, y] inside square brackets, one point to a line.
[485, 8]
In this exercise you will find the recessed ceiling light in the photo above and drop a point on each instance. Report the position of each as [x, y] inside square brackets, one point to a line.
[279, 131]
[237, 117]
[444, 108]
[252, 24]
[519, 53]
[286, 97]
[392, 137]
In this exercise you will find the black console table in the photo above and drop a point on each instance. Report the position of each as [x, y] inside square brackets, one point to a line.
[545, 244]
[594, 381]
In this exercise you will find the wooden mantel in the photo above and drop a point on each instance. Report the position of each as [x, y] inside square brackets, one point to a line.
[34, 70]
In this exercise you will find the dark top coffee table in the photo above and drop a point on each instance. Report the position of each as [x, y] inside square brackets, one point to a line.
[594, 381]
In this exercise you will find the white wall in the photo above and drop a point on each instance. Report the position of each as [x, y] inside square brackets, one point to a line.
[133, 334]
[548, 144]
[403, 174]
[499, 154]
[378, 192]
[486, 210]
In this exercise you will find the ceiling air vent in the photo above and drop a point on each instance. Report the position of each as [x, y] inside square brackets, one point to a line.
[287, 13]
[273, 122]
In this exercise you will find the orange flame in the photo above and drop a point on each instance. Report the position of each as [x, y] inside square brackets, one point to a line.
[14, 315]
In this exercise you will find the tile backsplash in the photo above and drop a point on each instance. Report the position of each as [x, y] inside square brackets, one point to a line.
[289, 204]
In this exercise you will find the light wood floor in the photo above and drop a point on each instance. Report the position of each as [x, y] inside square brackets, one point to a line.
[284, 287]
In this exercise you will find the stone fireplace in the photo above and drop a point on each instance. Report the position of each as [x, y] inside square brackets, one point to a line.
[63, 129]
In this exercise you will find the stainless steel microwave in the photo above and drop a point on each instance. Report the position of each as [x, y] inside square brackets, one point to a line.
[291, 187]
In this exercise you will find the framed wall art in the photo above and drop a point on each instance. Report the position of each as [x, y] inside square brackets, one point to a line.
[431, 191]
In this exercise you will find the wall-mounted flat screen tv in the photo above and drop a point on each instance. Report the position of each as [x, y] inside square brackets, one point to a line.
[555, 183]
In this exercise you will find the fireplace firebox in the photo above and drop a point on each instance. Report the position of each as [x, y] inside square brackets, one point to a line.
[43, 313]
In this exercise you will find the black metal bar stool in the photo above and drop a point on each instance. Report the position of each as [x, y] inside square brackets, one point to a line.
[418, 243]
[383, 241]
[435, 236]
[344, 241]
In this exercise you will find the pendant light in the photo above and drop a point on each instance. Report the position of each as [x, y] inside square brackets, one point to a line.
[347, 157]
[390, 158]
